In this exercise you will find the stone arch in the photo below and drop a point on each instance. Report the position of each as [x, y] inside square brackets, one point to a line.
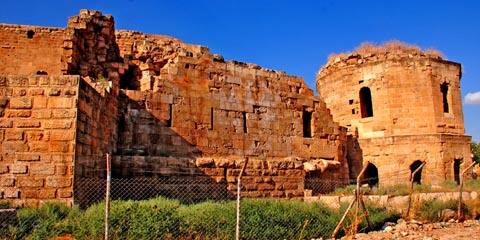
[418, 176]
[366, 106]
[371, 175]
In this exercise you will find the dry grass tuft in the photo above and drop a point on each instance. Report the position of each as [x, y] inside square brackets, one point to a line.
[392, 46]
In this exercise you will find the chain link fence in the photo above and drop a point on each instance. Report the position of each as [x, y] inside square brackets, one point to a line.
[186, 208]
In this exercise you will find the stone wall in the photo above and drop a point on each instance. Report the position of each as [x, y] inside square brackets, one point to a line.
[30, 49]
[37, 137]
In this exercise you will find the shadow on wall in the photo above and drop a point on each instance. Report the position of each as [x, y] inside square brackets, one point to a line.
[151, 160]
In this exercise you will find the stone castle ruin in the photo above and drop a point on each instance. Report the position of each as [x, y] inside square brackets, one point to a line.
[167, 109]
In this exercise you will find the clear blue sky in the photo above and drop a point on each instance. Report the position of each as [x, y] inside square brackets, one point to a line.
[295, 36]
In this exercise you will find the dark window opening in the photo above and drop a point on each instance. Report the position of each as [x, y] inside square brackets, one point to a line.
[307, 124]
[371, 176]
[170, 112]
[211, 119]
[444, 89]
[456, 170]
[366, 106]
[42, 73]
[244, 122]
[418, 176]
[30, 33]
[360, 81]
[353, 111]
[350, 101]
[187, 65]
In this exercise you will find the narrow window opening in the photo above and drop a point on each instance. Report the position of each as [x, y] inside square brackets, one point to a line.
[307, 124]
[456, 170]
[187, 65]
[244, 122]
[170, 112]
[350, 102]
[417, 178]
[353, 111]
[366, 105]
[30, 33]
[211, 119]
[444, 89]
[360, 81]
[42, 73]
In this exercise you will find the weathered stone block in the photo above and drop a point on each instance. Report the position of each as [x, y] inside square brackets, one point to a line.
[58, 124]
[29, 182]
[27, 157]
[39, 193]
[62, 135]
[42, 169]
[64, 113]
[7, 182]
[6, 123]
[27, 124]
[11, 113]
[11, 193]
[21, 103]
[58, 182]
[13, 135]
[60, 102]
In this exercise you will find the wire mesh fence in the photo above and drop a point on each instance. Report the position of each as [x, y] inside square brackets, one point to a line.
[186, 207]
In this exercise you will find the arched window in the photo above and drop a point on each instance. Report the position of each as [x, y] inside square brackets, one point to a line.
[371, 176]
[444, 89]
[366, 107]
[418, 176]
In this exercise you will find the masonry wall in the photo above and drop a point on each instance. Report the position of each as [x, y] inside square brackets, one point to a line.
[37, 138]
[30, 49]
[393, 156]
[409, 121]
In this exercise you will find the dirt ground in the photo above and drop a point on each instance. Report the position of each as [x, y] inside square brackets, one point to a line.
[469, 229]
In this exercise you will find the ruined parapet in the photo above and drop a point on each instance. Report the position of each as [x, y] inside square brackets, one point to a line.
[90, 48]
[402, 106]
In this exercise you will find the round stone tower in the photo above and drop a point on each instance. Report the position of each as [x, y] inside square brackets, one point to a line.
[402, 108]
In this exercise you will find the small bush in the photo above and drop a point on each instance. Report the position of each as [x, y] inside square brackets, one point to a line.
[432, 210]
[472, 185]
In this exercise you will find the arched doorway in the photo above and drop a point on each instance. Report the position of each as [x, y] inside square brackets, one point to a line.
[456, 170]
[371, 176]
[418, 176]
[366, 106]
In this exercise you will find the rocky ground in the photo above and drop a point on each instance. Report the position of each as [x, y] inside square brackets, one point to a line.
[469, 229]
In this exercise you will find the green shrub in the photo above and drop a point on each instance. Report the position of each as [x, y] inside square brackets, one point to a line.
[50, 220]
[286, 219]
[432, 210]
[148, 219]
[472, 185]
[449, 185]
[209, 220]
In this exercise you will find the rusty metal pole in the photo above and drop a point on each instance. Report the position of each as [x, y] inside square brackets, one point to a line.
[460, 212]
[239, 181]
[357, 196]
[107, 197]
[407, 214]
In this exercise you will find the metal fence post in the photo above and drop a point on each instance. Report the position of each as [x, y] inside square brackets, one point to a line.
[460, 212]
[107, 197]
[238, 198]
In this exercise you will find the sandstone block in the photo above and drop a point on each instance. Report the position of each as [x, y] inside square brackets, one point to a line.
[21, 103]
[64, 113]
[13, 135]
[6, 123]
[60, 102]
[27, 157]
[42, 169]
[58, 182]
[11, 193]
[29, 182]
[27, 124]
[64, 193]
[58, 124]
[39, 193]
[3, 168]
[36, 92]
[41, 113]
[62, 135]
[38, 146]
[11, 113]
[7, 182]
